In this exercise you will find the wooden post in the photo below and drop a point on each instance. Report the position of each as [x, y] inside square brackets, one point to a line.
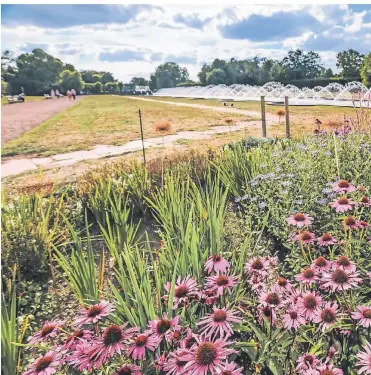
[141, 133]
[287, 114]
[264, 123]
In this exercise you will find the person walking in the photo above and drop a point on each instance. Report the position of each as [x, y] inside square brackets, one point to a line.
[68, 94]
[73, 93]
[57, 94]
[52, 93]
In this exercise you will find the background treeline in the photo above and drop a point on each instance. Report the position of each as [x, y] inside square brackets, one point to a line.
[38, 72]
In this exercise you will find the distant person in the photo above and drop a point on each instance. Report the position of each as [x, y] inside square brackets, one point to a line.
[73, 93]
[57, 94]
[20, 97]
[52, 93]
[69, 94]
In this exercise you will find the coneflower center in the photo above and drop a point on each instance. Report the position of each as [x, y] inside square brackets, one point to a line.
[328, 316]
[76, 334]
[350, 221]
[305, 236]
[320, 262]
[299, 217]
[257, 264]
[222, 280]
[125, 371]
[310, 302]
[163, 325]
[309, 359]
[326, 237]
[308, 273]
[273, 299]
[94, 311]
[293, 314]
[267, 312]
[339, 276]
[177, 335]
[217, 258]
[181, 291]
[43, 363]
[206, 353]
[365, 200]
[343, 261]
[47, 329]
[282, 281]
[367, 313]
[343, 184]
[219, 316]
[343, 201]
[327, 372]
[112, 335]
[141, 340]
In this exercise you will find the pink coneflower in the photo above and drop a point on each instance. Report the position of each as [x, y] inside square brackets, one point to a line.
[80, 358]
[327, 315]
[175, 363]
[307, 276]
[268, 313]
[273, 261]
[160, 362]
[363, 315]
[231, 369]
[49, 330]
[218, 324]
[309, 304]
[306, 362]
[94, 313]
[364, 224]
[184, 290]
[343, 186]
[365, 201]
[209, 297]
[190, 340]
[343, 204]
[163, 327]
[351, 223]
[345, 263]
[216, 263]
[257, 266]
[328, 369]
[321, 264]
[294, 296]
[271, 298]
[364, 360]
[143, 341]
[45, 365]
[283, 285]
[128, 369]
[293, 319]
[77, 338]
[299, 220]
[340, 280]
[304, 237]
[326, 239]
[221, 283]
[257, 283]
[110, 343]
[206, 356]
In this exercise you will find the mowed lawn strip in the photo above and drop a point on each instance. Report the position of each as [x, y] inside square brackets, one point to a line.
[110, 120]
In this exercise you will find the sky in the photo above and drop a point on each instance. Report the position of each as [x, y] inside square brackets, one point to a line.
[132, 40]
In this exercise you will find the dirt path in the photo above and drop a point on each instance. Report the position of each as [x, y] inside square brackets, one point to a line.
[18, 118]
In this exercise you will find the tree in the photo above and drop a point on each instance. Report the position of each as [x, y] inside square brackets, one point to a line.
[120, 85]
[366, 70]
[93, 88]
[168, 75]
[71, 80]
[69, 67]
[202, 74]
[301, 65]
[350, 63]
[138, 81]
[111, 87]
[216, 77]
[106, 77]
[7, 63]
[328, 73]
[87, 76]
[277, 72]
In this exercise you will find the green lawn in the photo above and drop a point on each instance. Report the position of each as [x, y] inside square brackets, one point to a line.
[108, 120]
[28, 99]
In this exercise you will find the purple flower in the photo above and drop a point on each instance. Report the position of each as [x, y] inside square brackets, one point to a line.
[94, 313]
[216, 263]
[45, 365]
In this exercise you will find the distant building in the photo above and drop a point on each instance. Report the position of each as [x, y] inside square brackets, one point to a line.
[142, 89]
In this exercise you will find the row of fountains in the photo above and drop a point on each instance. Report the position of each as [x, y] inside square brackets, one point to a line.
[334, 93]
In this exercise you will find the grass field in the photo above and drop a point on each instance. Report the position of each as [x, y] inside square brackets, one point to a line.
[308, 111]
[28, 99]
[109, 120]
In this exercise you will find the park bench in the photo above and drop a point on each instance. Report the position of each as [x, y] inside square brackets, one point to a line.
[47, 96]
[13, 99]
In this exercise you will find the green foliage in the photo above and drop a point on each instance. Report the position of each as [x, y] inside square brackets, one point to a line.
[71, 80]
[216, 77]
[366, 70]
[93, 88]
[111, 87]
[350, 63]
[168, 75]
[138, 81]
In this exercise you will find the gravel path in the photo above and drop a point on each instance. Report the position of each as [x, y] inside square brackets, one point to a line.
[19, 118]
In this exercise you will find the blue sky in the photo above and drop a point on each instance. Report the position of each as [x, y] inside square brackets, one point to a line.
[131, 40]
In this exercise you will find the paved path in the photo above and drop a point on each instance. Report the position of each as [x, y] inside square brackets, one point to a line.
[18, 118]
[17, 166]
[255, 114]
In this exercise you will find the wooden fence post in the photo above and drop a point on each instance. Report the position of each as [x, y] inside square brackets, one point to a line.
[264, 123]
[287, 114]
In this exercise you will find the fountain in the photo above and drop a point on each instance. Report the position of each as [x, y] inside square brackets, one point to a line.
[348, 95]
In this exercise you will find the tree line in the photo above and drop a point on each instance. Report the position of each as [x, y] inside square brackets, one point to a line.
[38, 72]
